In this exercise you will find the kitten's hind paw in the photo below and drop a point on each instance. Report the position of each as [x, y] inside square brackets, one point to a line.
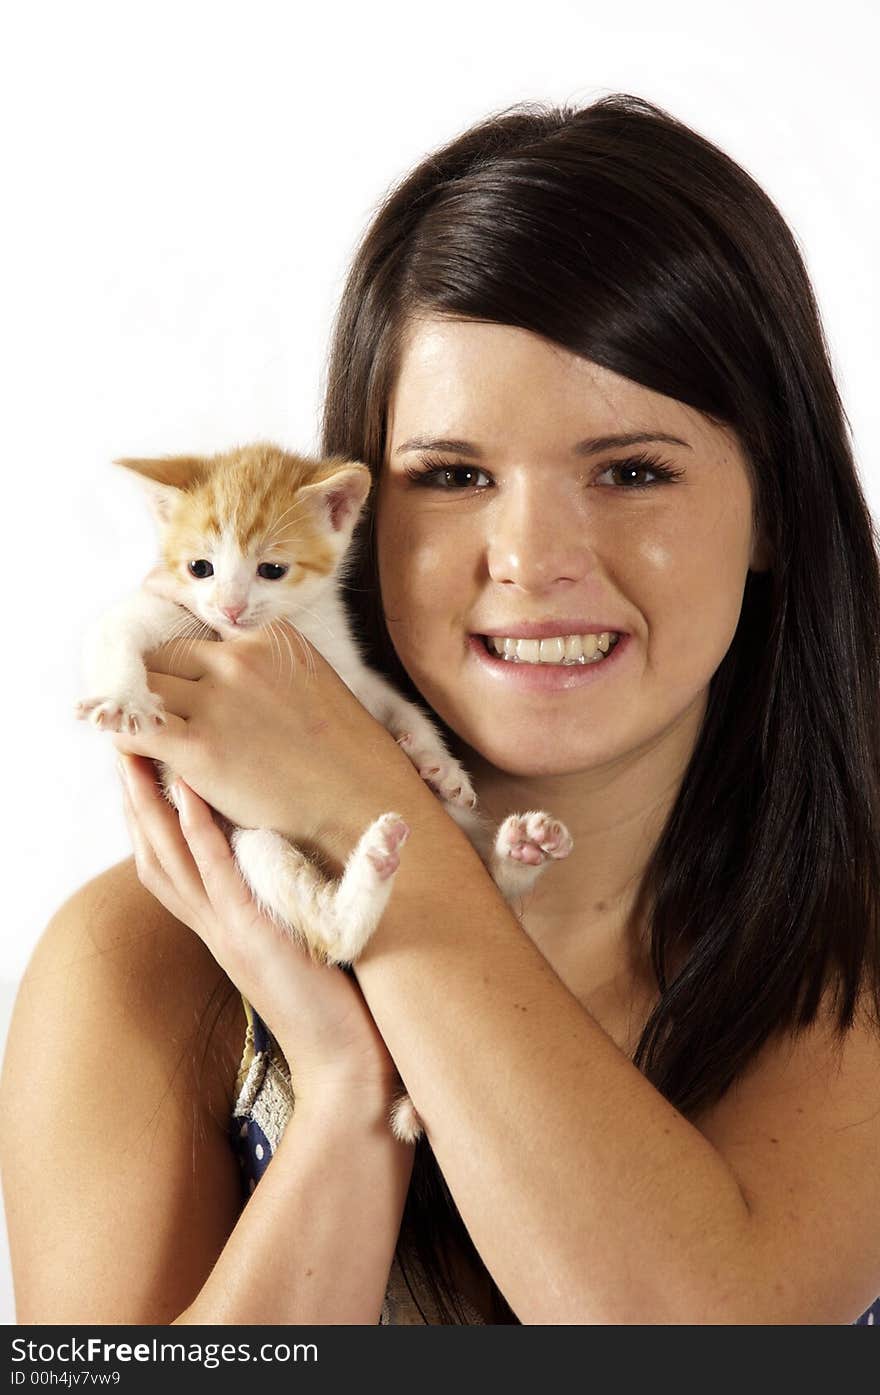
[361, 896]
[122, 714]
[533, 838]
[385, 837]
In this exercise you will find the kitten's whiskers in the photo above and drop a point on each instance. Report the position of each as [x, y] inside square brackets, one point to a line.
[276, 647]
[190, 628]
[311, 668]
[282, 635]
[306, 611]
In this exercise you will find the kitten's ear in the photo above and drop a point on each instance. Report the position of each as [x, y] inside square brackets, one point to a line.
[340, 496]
[164, 477]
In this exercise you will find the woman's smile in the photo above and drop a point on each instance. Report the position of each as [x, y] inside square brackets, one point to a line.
[535, 672]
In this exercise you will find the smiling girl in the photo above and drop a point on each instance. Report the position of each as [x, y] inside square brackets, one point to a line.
[617, 543]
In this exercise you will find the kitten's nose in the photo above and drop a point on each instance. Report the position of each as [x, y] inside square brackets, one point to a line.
[231, 612]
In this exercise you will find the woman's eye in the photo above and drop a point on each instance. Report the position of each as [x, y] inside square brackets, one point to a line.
[625, 475]
[271, 571]
[447, 477]
[200, 569]
[626, 469]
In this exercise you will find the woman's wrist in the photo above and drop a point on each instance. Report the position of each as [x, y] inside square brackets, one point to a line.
[345, 1107]
[345, 1092]
[335, 838]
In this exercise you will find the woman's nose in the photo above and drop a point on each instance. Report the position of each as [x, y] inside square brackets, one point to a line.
[535, 543]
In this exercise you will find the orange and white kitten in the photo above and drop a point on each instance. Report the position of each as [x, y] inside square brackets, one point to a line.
[250, 537]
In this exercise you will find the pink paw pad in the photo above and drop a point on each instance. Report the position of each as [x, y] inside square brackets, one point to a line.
[533, 838]
[389, 836]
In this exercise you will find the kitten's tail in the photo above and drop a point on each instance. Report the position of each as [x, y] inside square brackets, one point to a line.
[405, 1122]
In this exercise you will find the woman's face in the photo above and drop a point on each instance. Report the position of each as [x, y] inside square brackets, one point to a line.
[526, 527]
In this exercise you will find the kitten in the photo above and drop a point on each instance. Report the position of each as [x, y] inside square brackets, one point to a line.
[250, 537]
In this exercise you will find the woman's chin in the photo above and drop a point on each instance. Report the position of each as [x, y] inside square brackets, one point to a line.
[533, 761]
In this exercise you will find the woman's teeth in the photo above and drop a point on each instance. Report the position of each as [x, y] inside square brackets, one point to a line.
[561, 649]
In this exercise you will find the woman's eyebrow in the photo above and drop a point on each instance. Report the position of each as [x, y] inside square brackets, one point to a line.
[588, 446]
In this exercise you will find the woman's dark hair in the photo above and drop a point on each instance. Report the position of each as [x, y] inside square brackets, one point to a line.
[620, 234]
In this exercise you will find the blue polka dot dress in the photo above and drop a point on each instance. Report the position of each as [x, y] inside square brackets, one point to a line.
[264, 1103]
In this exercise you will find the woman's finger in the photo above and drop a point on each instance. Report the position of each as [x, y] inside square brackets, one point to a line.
[160, 837]
[178, 694]
[224, 885]
[158, 741]
[243, 941]
[151, 874]
[184, 657]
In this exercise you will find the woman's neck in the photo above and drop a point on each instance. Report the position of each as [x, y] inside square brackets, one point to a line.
[588, 906]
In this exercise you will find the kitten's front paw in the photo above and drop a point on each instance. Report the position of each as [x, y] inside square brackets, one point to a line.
[533, 838]
[124, 714]
[442, 772]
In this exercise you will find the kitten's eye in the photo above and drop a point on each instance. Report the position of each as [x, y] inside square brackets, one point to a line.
[271, 571]
[201, 569]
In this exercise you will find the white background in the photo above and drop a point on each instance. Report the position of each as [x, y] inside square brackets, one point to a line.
[183, 185]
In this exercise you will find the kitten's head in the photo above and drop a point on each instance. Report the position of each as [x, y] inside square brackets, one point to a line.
[252, 535]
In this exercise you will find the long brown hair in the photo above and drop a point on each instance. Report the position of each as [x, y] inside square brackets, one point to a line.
[622, 235]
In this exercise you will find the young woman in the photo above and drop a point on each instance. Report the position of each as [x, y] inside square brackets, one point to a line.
[580, 352]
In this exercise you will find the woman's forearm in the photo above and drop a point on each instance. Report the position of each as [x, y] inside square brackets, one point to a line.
[589, 1197]
[316, 1240]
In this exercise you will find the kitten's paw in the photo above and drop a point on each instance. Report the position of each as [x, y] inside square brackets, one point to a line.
[443, 773]
[386, 837]
[124, 714]
[533, 838]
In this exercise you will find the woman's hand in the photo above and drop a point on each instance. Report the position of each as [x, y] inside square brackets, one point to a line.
[316, 1012]
[271, 743]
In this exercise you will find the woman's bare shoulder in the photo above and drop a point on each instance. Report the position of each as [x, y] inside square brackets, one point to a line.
[120, 1183]
[151, 977]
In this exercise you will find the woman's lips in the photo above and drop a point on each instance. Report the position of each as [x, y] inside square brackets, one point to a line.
[538, 678]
